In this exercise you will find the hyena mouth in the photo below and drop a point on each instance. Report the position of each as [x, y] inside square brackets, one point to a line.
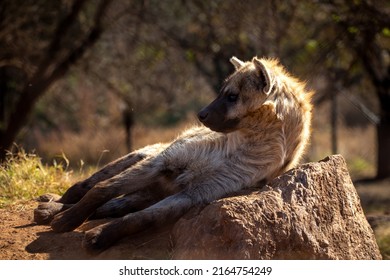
[216, 122]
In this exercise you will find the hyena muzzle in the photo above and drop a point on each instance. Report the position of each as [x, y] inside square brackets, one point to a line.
[255, 129]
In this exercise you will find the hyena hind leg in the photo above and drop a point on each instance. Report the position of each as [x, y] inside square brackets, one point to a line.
[138, 177]
[54, 204]
[78, 190]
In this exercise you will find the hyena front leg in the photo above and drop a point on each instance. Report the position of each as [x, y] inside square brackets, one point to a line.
[140, 176]
[120, 206]
[167, 210]
[116, 207]
[46, 211]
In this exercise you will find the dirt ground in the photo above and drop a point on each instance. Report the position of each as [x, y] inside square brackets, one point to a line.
[21, 239]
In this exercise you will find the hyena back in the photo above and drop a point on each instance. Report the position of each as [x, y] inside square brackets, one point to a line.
[255, 129]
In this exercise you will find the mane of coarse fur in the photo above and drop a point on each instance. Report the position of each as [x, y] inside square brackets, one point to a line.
[292, 102]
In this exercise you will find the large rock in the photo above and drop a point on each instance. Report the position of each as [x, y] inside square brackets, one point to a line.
[310, 212]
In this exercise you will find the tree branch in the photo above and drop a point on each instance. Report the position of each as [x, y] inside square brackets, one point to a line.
[54, 45]
[39, 84]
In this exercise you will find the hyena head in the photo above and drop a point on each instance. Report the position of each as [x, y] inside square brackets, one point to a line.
[242, 93]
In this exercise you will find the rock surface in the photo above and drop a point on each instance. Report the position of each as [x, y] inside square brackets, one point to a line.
[310, 212]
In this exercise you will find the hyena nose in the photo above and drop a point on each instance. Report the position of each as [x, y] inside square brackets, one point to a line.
[202, 115]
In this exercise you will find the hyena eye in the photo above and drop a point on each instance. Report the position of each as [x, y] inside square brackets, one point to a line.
[232, 97]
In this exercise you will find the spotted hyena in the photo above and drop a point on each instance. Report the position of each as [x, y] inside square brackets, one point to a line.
[255, 129]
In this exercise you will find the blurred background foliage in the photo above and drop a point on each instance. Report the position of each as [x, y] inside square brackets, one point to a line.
[96, 79]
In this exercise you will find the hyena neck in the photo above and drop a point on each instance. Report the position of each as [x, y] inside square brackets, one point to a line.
[245, 140]
[283, 102]
[233, 141]
[292, 107]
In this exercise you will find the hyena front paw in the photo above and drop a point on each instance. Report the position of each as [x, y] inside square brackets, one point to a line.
[67, 220]
[48, 197]
[46, 211]
[100, 238]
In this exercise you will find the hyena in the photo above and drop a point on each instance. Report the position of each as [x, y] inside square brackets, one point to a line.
[255, 129]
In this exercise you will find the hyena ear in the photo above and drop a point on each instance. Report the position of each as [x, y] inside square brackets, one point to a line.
[236, 62]
[264, 71]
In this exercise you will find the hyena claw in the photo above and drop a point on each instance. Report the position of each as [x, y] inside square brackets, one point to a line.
[100, 238]
[48, 197]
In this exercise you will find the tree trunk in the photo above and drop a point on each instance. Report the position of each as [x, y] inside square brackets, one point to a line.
[128, 122]
[333, 121]
[383, 133]
[19, 115]
[379, 71]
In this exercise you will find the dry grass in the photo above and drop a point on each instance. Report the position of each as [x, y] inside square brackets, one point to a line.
[91, 147]
[356, 144]
[383, 239]
[145, 136]
[23, 177]
[97, 147]
[374, 196]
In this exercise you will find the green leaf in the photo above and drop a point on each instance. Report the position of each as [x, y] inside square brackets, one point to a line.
[353, 30]
[311, 45]
[336, 18]
[190, 55]
[386, 32]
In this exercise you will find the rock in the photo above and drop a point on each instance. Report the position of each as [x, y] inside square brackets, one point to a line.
[310, 212]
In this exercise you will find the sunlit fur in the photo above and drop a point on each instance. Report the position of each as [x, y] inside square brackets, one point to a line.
[201, 165]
